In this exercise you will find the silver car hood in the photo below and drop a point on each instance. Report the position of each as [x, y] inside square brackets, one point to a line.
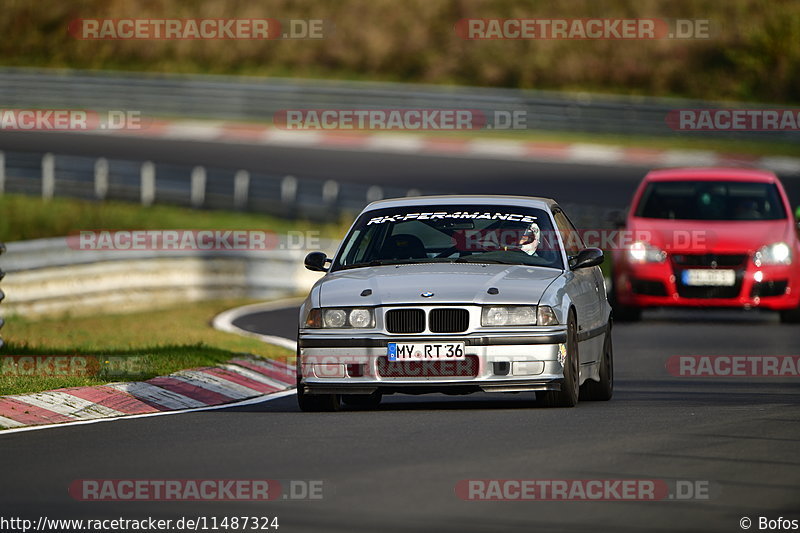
[449, 283]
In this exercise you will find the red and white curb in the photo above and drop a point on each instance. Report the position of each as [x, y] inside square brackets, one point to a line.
[245, 378]
[481, 148]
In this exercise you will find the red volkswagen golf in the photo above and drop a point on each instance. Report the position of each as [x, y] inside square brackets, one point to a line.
[709, 237]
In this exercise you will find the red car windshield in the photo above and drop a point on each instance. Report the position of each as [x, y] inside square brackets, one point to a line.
[711, 200]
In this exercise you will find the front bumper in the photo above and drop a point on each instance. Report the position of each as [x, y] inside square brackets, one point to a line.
[496, 362]
[658, 285]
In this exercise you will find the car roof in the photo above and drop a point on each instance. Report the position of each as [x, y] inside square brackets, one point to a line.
[712, 174]
[453, 199]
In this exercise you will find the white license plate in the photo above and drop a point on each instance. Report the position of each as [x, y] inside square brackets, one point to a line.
[709, 277]
[435, 351]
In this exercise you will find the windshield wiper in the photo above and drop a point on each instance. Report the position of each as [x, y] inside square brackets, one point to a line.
[467, 259]
[388, 262]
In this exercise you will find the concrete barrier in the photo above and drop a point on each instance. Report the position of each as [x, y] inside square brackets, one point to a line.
[46, 277]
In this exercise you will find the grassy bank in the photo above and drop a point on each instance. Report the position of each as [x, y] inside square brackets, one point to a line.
[752, 52]
[28, 217]
[152, 343]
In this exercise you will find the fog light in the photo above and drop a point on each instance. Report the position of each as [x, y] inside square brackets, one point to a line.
[527, 368]
[329, 370]
[356, 370]
[501, 368]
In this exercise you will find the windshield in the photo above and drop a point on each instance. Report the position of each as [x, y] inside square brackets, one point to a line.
[711, 200]
[450, 234]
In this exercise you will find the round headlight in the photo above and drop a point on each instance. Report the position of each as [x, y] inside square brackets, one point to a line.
[638, 251]
[360, 318]
[496, 316]
[334, 318]
[780, 252]
[524, 316]
[642, 252]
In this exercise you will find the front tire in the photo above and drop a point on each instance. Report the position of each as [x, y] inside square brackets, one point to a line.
[570, 386]
[317, 403]
[791, 316]
[313, 403]
[363, 401]
[602, 390]
[623, 313]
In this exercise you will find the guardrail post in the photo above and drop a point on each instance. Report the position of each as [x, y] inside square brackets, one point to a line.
[289, 190]
[148, 183]
[374, 193]
[241, 188]
[330, 192]
[48, 176]
[198, 186]
[101, 178]
[2, 172]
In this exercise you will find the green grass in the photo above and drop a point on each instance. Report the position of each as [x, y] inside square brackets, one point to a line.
[28, 217]
[752, 52]
[159, 342]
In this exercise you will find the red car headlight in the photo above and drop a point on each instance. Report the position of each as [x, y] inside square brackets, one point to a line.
[642, 252]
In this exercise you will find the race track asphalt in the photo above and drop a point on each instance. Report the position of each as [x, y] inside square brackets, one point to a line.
[396, 469]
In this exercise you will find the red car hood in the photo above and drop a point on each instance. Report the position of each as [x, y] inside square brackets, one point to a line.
[687, 236]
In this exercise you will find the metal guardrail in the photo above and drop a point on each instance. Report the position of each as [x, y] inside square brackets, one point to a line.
[243, 98]
[146, 182]
[50, 276]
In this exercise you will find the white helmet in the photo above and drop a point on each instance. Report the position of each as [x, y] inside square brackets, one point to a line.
[529, 241]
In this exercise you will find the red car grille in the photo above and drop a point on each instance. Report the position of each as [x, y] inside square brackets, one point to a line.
[428, 369]
[683, 262]
[709, 260]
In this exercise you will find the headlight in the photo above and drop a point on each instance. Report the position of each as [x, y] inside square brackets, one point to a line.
[545, 316]
[314, 319]
[508, 316]
[361, 318]
[340, 318]
[777, 253]
[334, 318]
[642, 252]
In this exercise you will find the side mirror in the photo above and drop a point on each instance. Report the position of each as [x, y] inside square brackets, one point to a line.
[317, 261]
[586, 258]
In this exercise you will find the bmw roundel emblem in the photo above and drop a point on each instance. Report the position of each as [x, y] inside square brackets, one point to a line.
[426, 294]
